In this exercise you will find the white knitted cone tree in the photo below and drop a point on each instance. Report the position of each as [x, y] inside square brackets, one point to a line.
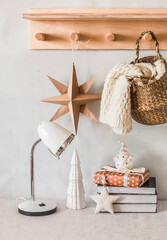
[75, 192]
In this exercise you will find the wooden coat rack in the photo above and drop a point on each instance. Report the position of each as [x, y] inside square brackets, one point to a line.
[95, 28]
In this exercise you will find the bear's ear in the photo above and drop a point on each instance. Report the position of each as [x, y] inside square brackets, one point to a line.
[116, 158]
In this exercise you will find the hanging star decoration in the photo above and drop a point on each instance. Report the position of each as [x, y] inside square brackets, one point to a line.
[104, 201]
[73, 99]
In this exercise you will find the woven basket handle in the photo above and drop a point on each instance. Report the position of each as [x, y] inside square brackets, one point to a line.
[138, 47]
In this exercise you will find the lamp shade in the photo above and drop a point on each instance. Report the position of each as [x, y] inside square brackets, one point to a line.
[55, 137]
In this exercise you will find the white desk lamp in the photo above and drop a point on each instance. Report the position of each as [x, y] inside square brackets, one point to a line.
[56, 138]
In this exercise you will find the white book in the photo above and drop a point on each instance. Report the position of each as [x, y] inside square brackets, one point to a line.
[148, 187]
[136, 198]
[134, 208]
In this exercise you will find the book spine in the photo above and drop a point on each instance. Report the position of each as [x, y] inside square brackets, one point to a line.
[133, 208]
[114, 190]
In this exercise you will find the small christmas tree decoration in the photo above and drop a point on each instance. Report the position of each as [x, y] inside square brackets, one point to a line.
[104, 201]
[75, 192]
[73, 99]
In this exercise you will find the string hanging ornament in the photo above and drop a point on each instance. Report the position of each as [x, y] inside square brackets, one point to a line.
[73, 98]
[75, 44]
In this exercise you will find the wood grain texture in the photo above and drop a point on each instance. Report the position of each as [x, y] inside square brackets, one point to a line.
[40, 36]
[147, 37]
[94, 13]
[93, 25]
[110, 36]
[74, 36]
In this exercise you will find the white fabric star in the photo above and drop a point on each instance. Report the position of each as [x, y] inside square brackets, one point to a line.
[104, 201]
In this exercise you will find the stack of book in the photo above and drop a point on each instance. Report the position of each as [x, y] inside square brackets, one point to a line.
[132, 199]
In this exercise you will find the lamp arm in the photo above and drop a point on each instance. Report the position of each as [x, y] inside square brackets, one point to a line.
[32, 169]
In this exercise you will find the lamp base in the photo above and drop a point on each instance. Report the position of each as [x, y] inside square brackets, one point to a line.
[37, 207]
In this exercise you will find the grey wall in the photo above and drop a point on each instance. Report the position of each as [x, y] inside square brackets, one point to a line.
[24, 83]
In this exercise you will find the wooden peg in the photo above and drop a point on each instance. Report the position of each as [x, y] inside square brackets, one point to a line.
[40, 36]
[147, 37]
[74, 36]
[110, 36]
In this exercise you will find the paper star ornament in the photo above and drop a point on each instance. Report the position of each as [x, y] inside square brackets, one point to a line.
[104, 201]
[73, 99]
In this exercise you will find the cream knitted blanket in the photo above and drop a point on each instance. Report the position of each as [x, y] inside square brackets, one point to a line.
[116, 103]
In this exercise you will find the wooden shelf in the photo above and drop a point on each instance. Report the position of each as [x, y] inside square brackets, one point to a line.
[96, 14]
[94, 27]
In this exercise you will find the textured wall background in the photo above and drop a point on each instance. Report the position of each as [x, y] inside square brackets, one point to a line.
[24, 83]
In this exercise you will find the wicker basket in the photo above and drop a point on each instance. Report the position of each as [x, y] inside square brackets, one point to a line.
[149, 102]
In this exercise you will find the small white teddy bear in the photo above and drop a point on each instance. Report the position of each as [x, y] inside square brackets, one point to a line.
[124, 160]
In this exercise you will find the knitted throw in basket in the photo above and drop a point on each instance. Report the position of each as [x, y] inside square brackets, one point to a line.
[149, 102]
[115, 104]
[119, 98]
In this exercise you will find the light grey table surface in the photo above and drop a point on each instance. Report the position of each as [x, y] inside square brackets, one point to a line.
[68, 224]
